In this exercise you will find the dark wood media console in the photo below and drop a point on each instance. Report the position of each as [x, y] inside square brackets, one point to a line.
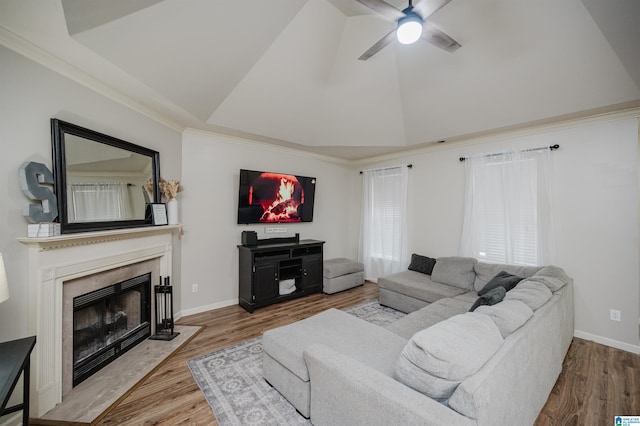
[264, 266]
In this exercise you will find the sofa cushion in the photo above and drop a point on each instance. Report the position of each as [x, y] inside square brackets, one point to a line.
[456, 271]
[556, 278]
[418, 286]
[421, 264]
[486, 271]
[532, 293]
[491, 297]
[502, 279]
[431, 314]
[436, 360]
[509, 315]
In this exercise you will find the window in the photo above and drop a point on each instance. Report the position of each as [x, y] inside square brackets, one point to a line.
[507, 215]
[383, 242]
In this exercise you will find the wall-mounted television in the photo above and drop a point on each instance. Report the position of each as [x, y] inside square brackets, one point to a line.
[267, 197]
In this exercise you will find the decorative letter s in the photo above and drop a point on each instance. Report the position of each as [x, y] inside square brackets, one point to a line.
[32, 175]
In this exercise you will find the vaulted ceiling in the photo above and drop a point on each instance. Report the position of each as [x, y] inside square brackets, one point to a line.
[287, 71]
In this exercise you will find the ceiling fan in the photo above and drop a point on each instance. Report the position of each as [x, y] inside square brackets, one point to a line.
[411, 25]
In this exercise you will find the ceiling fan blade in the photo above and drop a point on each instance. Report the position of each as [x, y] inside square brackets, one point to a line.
[438, 38]
[381, 44]
[427, 8]
[383, 8]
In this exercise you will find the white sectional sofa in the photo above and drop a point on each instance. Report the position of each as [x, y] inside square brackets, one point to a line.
[438, 365]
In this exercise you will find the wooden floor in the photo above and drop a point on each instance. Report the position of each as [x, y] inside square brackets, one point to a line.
[597, 382]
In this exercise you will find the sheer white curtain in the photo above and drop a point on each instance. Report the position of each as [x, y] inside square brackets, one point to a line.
[507, 213]
[88, 202]
[383, 232]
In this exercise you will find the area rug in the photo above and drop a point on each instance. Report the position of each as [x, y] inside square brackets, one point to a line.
[231, 378]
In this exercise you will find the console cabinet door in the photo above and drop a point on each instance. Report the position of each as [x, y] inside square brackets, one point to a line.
[265, 281]
[312, 272]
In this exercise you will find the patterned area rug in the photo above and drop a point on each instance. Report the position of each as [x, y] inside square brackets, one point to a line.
[231, 379]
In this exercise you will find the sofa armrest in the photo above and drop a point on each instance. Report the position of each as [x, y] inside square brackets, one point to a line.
[347, 392]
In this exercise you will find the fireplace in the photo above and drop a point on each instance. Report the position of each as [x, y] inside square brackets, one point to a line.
[104, 314]
[64, 267]
[108, 322]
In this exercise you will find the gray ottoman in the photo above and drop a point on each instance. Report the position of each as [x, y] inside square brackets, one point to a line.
[283, 363]
[341, 274]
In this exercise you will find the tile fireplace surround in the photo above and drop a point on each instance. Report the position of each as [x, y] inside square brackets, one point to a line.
[56, 261]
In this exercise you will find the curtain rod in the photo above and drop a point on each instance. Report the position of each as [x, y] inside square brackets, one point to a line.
[552, 147]
[386, 168]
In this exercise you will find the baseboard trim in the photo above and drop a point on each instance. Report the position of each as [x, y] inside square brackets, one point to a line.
[205, 308]
[607, 341]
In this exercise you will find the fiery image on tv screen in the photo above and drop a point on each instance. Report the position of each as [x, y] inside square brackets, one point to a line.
[279, 195]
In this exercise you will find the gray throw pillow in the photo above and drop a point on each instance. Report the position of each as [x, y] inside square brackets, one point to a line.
[490, 298]
[502, 279]
[422, 264]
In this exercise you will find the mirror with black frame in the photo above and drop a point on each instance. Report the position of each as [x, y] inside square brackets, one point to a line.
[101, 182]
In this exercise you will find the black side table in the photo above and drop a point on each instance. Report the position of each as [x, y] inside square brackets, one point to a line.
[14, 359]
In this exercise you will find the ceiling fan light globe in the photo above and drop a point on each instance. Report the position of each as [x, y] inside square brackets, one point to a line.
[409, 30]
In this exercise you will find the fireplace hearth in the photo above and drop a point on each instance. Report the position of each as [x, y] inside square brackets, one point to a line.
[108, 322]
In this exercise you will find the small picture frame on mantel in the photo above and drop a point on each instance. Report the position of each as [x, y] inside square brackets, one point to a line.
[158, 213]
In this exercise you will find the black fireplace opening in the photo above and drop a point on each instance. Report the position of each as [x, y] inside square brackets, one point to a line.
[108, 322]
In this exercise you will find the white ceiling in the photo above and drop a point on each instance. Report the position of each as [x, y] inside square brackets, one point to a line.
[286, 71]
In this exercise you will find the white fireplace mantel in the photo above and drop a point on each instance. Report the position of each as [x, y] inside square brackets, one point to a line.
[54, 260]
[67, 240]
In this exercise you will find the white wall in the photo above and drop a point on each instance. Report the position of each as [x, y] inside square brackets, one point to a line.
[209, 211]
[30, 95]
[595, 211]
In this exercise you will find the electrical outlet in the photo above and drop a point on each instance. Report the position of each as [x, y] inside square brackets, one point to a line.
[194, 288]
[614, 315]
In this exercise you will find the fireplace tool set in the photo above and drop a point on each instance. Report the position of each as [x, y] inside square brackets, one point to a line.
[164, 311]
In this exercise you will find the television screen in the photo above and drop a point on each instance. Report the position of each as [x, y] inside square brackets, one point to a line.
[266, 197]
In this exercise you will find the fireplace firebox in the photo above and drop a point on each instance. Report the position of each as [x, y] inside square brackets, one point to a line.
[108, 322]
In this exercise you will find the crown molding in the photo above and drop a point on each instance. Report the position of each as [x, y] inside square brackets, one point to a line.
[268, 146]
[18, 44]
[625, 112]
